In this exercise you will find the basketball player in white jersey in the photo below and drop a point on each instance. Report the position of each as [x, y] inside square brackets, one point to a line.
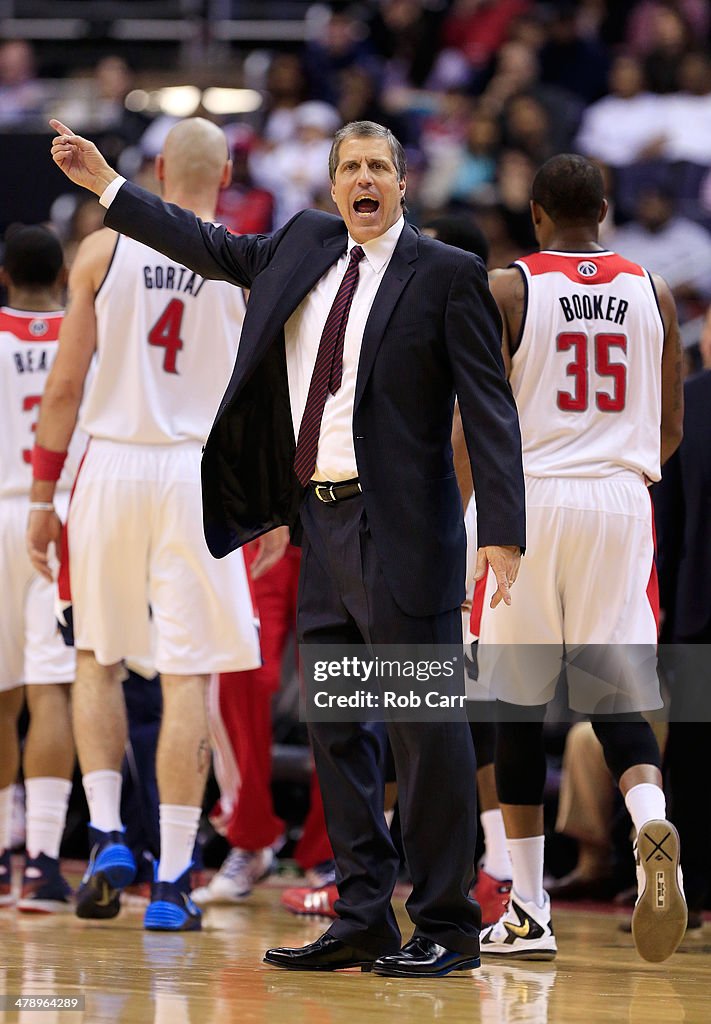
[35, 665]
[592, 345]
[164, 339]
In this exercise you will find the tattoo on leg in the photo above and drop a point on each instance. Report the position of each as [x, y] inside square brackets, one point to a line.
[203, 756]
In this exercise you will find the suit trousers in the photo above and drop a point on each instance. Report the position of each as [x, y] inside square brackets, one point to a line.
[344, 598]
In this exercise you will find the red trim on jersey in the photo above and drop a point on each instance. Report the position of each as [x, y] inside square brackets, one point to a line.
[653, 583]
[64, 585]
[478, 605]
[21, 327]
[608, 267]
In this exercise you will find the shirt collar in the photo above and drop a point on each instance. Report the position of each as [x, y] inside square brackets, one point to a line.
[379, 250]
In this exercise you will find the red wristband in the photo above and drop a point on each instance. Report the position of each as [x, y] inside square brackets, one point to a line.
[46, 464]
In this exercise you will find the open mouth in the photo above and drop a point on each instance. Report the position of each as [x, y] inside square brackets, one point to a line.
[365, 205]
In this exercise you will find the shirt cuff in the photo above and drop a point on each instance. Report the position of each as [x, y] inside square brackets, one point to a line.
[109, 194]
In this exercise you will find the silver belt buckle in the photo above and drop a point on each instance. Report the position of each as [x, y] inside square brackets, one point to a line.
[329, 490]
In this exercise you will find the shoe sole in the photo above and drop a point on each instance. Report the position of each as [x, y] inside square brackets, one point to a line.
[219, 901]
[310, 913]
[523, 954]
[44, 907]
[467, 967]
[365, 966]
[660, 916]
[99, 900]
[167, 917]
[205, 900]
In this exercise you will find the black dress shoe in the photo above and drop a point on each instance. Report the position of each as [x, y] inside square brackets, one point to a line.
[424, 958]
[325, 954]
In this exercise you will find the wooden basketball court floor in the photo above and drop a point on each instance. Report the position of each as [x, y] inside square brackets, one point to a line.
[129, 976]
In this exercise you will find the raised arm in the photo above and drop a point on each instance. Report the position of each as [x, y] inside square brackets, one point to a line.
[209, 249]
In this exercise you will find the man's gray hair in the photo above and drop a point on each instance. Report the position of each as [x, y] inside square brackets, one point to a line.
[367, 129]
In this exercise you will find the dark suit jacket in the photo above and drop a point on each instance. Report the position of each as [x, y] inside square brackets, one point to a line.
[433, 329]
[682, 503]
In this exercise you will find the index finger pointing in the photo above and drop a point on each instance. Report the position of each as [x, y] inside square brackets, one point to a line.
[60, 128]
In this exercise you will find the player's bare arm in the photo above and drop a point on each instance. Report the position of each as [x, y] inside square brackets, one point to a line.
[80, 160]
[509, 291]
[65, 386]
[672, 372]
[462, 465]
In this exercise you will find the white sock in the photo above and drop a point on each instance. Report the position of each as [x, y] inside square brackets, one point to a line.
[178, 830]
[47, 800]
[645, 802]
[527, 864]
[5, 817]
[496, 862]
[103, 795]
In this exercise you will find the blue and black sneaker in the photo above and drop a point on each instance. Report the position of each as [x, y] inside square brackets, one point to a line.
[171, 909]
[110, 869]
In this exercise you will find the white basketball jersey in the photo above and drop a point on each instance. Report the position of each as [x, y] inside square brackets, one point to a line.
[166, 344]
[587, 373]
[28, 345]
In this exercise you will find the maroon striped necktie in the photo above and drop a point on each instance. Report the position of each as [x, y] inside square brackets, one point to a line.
[328, 370]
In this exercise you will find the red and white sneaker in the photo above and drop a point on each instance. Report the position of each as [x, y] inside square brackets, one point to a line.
[492, 896]
[311, 902]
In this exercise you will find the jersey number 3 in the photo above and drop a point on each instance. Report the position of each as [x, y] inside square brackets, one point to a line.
[577, 369]
[165, 333]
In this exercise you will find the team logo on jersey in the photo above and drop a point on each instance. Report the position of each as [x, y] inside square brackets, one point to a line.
[38, 328]
[587, 268]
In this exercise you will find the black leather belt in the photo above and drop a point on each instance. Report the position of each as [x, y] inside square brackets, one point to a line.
[330, 493]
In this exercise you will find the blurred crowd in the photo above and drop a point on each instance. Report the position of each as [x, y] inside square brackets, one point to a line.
[480, 92]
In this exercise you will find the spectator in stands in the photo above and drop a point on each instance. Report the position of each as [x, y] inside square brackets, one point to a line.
[244, 207]
[464, 171]
[286, 89]
[687, 117]
[402, 33]
[339, 47]
[514, 177]
[479, 27]
[527, 128]
[673, 246]
[571, 60]
[623, 126]
[21, 94]
[517, 71]
[296, 169]
[661, 34]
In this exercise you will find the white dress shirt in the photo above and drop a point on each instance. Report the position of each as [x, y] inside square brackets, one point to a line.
[336, 453]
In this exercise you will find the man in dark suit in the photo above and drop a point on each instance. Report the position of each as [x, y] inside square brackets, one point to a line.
[682, 502]
[350, 434]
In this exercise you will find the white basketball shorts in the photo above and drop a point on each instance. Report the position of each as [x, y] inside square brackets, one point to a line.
[31, 647]
[585, 597]
[137, 552]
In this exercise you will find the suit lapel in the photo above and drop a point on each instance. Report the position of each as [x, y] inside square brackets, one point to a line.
[306, 271]
[397, 274]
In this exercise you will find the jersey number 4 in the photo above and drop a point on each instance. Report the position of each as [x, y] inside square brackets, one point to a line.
[578, 368]
[165, 333]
